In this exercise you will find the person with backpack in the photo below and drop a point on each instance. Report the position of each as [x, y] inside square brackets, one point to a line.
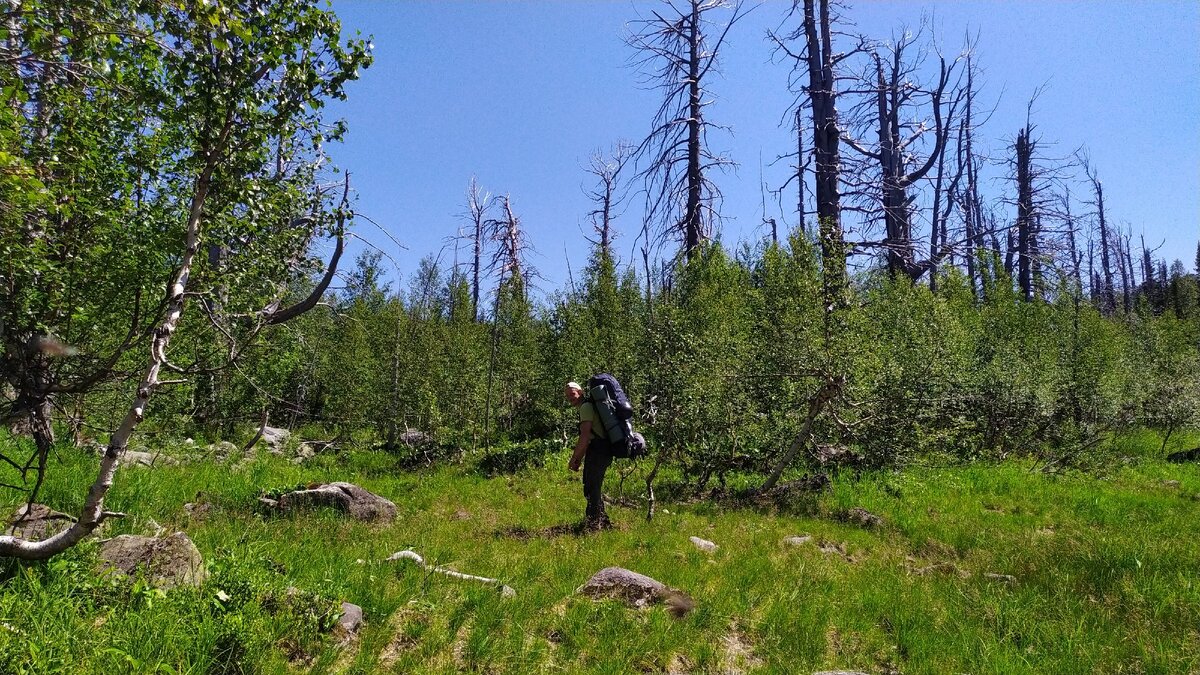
[605, 432]
[592, 449]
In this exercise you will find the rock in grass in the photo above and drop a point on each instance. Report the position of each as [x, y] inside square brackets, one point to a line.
[166, 561]
[304, 452]
[797, 541]
[275, 438]
[414, 438]
[636, 590]
[38, 523]
[861, 516]
[1002, 578]
[349, 498]
[703, 544]
[1182, 456]
[197, 509]
[139, 458]
[840, 672]
[349, 623]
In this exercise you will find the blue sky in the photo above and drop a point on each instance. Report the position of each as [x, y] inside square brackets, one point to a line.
[520, 94]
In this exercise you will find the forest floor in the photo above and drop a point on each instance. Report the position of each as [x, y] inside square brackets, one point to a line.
[982, 568]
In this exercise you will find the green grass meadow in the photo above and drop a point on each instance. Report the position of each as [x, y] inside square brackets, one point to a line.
[1106, 569]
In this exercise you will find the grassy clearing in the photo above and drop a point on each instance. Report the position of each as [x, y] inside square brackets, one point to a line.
[1105, 576]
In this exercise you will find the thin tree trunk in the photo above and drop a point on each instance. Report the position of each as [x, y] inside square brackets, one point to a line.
[93, 514]
[1107, 293]
[1026, 243]
[692, 217]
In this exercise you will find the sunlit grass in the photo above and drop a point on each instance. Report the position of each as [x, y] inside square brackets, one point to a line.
[1105, 575]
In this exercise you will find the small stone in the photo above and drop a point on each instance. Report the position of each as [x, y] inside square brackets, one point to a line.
[703, 544]
[507, 592]
[415, 438]
[189, 441]
[352, 617]
[861, 516]
[797, 541]
[1003, 578]
[154, 527]
[1171, 483]
[349, 622]
[197, 510]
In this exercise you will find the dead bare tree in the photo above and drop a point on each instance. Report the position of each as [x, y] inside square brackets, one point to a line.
[479, 203]
[1040, 234]
[891, 96]
[1026, 221]
[608, 193]
[971, 202]
[1107, 297]
[819, 60]
[512, 274]
[677, 52]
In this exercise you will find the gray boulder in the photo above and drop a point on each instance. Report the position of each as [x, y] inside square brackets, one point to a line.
[636, 590]
[415, 438]
[797, 541]
[351, 499]
[166, 561]
[703, 544]
[37, 522]
[275, 437]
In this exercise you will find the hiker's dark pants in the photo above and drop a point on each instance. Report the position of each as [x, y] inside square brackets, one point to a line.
[595, 463]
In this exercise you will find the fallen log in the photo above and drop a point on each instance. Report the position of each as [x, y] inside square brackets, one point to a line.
[409, 554]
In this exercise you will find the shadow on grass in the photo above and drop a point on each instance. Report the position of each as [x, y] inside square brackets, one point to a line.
[575, 529]
[797, 497]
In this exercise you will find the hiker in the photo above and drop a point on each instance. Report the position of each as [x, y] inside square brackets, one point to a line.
[593, 450]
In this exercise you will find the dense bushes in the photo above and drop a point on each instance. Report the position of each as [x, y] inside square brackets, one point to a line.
[720, 356]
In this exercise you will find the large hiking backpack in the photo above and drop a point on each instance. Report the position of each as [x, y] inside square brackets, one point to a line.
[616, 414]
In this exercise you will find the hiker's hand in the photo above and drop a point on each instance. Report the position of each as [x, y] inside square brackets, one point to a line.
[573, 464]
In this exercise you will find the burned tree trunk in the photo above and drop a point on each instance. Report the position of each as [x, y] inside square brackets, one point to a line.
[692, 226]
[478, 204]
[608, 195]
[677, 55]
[1026, 234]
[822, 93]
[1107, 293]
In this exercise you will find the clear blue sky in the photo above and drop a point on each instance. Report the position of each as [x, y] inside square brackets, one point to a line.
[519, 95]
